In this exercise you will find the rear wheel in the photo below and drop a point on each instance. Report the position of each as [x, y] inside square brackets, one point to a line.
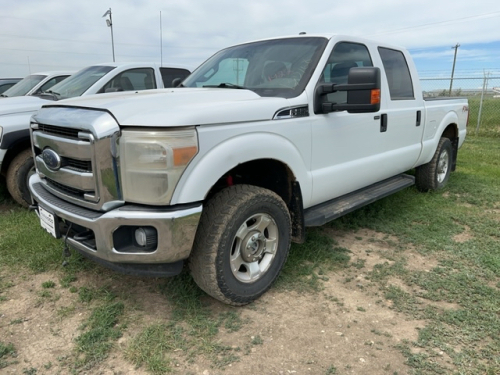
[18, 174]
[241, 244]
[435, 174]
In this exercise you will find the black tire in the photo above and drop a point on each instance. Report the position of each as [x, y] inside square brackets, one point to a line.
[435, 174]
[241, 244]
[18, 173]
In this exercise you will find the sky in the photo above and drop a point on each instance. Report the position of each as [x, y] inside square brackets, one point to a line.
[50, 35]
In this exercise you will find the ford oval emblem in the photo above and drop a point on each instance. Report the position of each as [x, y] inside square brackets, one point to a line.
[51, 159]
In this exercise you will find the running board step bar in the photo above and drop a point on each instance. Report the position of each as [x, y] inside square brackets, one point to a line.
[325, 212]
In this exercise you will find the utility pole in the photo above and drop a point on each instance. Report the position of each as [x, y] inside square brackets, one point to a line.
[161, 42]
[109, 22]
[453, 69]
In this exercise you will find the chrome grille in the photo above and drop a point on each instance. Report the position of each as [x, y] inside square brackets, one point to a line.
[56, 130]
[78, 165]
[66, 190]
[83, 140]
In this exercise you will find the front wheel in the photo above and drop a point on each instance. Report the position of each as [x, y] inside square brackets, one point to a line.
[241, 244]
[435, 174]
[18, 174]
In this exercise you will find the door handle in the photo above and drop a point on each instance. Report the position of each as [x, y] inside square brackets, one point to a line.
[383, 123]
[419, 117]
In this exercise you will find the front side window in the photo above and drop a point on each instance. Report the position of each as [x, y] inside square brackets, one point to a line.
[278, 67]
[398, 74]
[344, 56]
[131, 80]
[25, 85]
[51, 82]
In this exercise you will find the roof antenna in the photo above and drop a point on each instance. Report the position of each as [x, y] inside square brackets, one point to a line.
[302, 33]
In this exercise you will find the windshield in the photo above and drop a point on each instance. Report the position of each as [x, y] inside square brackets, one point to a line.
[24, 86]
[279, 67]
[79, 82]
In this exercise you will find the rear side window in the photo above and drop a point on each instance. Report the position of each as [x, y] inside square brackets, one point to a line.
[398, 74]
[169, 74]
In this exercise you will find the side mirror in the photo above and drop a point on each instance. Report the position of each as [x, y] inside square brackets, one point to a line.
[363, 93]
[176, 82]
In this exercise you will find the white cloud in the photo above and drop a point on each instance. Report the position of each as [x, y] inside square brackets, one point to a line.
[73, 34]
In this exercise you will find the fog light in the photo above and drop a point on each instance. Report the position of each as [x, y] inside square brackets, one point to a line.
[146, 237]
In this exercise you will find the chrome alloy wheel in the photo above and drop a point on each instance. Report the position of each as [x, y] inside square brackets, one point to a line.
[254, 247]
[442, 166]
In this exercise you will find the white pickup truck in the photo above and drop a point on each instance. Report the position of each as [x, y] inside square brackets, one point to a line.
[16, 161]
[263, 140]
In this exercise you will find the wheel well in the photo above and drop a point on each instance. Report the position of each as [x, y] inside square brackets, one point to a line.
[12, 152]
[451, 132]
[272, 175]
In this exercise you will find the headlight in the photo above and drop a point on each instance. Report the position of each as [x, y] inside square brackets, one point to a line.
[152, 162]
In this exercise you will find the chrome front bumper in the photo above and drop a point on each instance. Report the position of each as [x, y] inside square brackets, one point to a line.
[176, 228]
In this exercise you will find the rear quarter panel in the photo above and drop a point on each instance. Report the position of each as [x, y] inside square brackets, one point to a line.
[439, 113]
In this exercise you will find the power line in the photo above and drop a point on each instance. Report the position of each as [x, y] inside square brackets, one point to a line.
[98, 42]
[483, 15]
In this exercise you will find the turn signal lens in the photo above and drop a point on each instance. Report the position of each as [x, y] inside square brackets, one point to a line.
[182, 156]
[375, 96]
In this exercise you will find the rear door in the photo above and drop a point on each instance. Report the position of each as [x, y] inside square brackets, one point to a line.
[404, 108]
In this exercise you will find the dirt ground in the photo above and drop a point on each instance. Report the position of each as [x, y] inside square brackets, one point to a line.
[347, 328]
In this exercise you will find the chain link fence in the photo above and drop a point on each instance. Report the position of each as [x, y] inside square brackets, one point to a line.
[484, 100]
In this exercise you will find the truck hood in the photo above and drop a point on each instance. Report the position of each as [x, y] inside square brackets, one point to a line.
[20, 104]
[182, 106]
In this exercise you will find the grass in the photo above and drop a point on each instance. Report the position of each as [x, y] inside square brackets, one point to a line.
[468, 271]
[490, 112]
[457, 298]
[192, 330]
[101, 330]
[6, 351]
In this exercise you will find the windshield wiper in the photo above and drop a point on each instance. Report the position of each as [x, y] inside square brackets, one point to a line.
[3, 96]
[226, 86]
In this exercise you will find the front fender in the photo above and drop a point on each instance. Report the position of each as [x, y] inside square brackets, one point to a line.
[17, 123]
[15, 136]
[214, 161]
